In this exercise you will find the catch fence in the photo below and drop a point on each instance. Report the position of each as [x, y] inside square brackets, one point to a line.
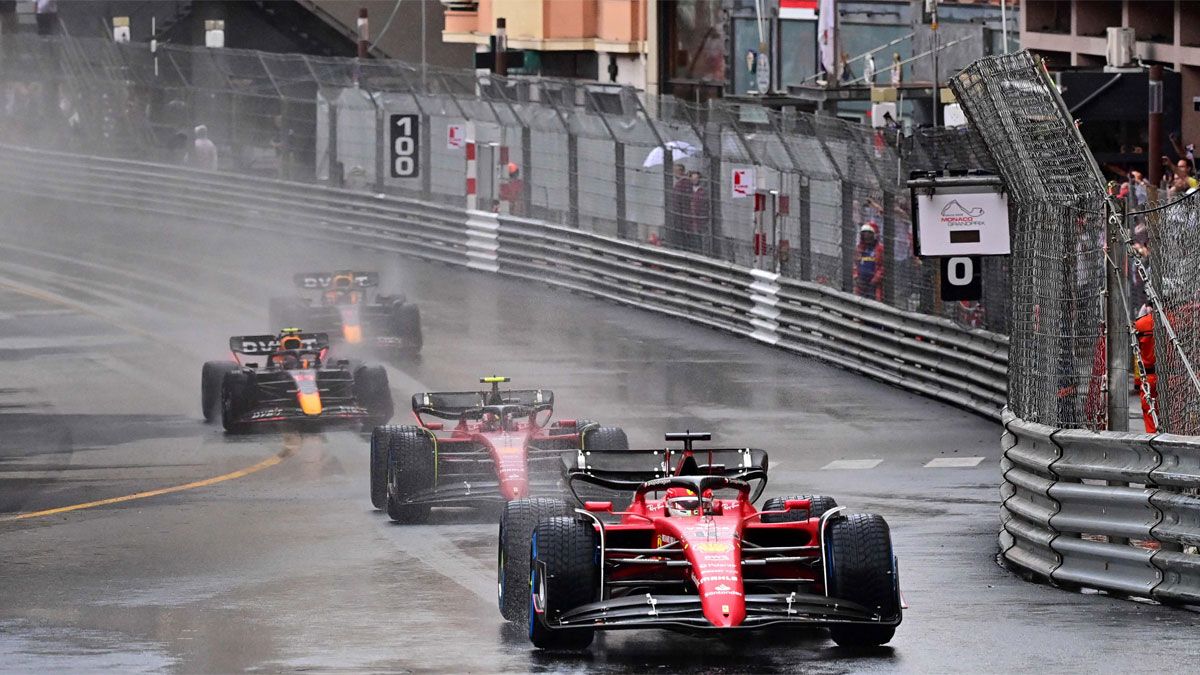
[598, 158]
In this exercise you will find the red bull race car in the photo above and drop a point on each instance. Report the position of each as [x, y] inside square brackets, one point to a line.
[476, 448]
[347, 304]
[293, 385]
[690, 552]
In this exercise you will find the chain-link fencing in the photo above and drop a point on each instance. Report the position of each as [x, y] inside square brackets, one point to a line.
[777, 190]
[1171, 231]
[1057, 371]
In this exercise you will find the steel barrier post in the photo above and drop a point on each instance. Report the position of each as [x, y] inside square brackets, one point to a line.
[889, 247]
[849, 236]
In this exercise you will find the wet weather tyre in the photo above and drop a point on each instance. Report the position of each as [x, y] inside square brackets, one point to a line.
[406, 322]
[211, 377]
[373, 393]
[234, 402]
[512, 556]
[820, 504]
[563, 575]
[605, 439]
[379, 467]
[412, 467]
[862, 569]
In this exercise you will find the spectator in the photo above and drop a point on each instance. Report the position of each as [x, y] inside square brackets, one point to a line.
[47, 16]
[679, 207]
[697, 214]
[284, 143]
[1180, 169]
[1144, 327]
[1138, 188]
[204, 152]
[513, 190]
[868, 263]
[897, 69]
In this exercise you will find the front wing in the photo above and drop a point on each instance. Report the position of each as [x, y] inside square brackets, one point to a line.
[685, 613]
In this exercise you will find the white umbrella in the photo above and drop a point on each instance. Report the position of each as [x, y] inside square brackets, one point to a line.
[679, 149]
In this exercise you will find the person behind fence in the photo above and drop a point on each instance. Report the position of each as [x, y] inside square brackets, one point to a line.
[868, 263]
[204, 151]
[1144, 327]
[513, 190]
[679, 206]
[697, 222]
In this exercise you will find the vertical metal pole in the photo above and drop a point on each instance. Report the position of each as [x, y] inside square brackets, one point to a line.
[335, 167]
[804, 246]
[381, 145]
[936, 116]
[572, 178]
[364, 33]
[849, 237]
[1118, 329]
[1154, 143]
[527, 167]
[1004, 24]
[889, 238]
[619, 176]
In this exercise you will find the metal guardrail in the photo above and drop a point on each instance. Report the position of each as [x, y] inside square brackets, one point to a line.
[925, 354]
[1110, 511]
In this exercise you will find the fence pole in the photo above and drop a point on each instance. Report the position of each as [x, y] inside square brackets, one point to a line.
[804, 212]
[1117, 322]
[889, 247]
[849, 236]
[335, 167]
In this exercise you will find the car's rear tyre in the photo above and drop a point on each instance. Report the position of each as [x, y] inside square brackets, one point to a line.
[406, 322]
[512, 559]
[563, 574]
[373, 393]
[379, 467]
[604, 439]
[412, 464]
[235, 402]
[862, 569]
[211, 377]
[820, 504]
[286, 313]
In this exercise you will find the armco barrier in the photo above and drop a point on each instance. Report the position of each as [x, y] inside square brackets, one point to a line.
[1110, 511]
[925, 354]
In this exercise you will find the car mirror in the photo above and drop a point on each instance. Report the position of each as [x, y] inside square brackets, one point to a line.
[434, 426]
[568, 424]
[597, 507]
[796, 505]
[343, 363]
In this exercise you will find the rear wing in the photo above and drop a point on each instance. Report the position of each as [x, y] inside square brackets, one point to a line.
[626, 470]
[322, 281]
[452, 404]
[255, 345]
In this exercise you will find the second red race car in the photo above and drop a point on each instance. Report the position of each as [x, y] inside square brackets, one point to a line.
[499, 445]
[691, 553]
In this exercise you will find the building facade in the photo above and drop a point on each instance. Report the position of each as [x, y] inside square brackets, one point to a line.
[1073, 33]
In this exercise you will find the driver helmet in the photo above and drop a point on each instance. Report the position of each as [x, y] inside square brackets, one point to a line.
[683, 502]
[289, 338]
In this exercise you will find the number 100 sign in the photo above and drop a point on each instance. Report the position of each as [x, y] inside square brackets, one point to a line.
[404, 134]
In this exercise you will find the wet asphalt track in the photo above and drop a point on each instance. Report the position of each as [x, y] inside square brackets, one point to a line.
[104, 324]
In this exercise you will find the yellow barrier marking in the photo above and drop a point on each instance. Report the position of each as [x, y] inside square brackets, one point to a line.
[288, 449]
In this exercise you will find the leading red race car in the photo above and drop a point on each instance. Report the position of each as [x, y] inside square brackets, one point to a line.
[692, 553]
[502, 446]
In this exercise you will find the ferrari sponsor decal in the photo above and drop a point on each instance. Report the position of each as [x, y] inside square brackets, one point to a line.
[735, 594]
[713, 546]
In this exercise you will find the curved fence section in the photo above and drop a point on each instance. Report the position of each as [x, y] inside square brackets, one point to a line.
[925, 354]
[1118, 512]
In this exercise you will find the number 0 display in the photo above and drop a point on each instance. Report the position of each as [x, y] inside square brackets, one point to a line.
[405, 139]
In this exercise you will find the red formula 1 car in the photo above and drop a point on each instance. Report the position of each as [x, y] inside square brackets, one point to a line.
[502, 446]
[691, 553]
